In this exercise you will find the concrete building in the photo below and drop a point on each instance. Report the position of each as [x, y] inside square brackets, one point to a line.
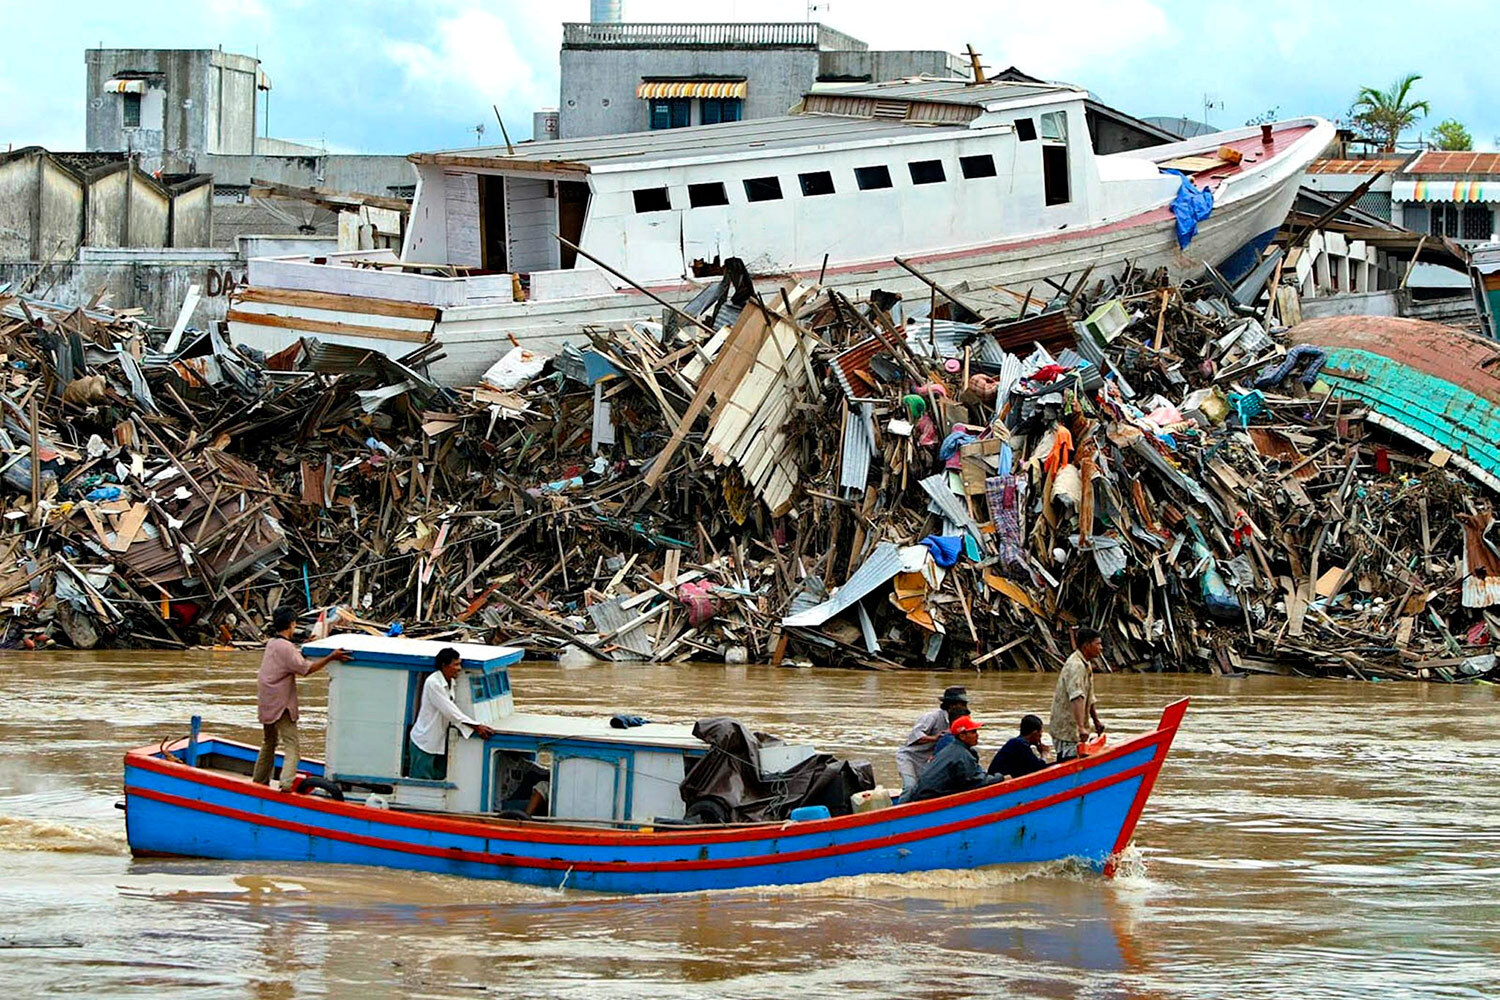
[618, 78]
[156, 102]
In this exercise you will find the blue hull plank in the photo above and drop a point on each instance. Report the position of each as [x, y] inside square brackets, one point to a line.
[1085, 810]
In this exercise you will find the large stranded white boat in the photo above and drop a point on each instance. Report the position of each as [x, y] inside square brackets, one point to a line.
[978, 186]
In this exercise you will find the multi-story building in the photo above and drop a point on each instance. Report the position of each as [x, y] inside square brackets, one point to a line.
[618, 77]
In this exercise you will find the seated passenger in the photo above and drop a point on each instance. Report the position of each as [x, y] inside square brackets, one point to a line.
[1021, 754]
[955, 768]
[920, 745]
[436, 711]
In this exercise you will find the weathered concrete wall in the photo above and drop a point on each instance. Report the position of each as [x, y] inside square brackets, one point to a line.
[153, 280]
[18, 207]
[60, 205]
[150, 212]
[598, 85]
[106, 210]
[890, 65]
[193, 217]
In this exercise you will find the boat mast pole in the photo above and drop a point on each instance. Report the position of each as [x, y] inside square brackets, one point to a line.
[644, 291]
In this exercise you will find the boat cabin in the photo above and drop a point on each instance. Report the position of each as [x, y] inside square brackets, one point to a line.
[849, 176]
[596, 772]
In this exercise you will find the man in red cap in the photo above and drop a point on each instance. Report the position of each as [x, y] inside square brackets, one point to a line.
[955, 768]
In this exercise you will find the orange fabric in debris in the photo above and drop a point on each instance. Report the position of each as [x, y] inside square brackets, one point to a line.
[1062, 451]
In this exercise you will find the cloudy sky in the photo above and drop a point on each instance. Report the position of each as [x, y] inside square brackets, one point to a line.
[392, 77]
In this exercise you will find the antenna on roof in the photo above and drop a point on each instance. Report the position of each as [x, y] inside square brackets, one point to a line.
[975, 65]
[478, 131]
[811, 7]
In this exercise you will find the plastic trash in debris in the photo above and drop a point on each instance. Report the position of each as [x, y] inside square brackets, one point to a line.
[104, 494]
[515, 369]
[395, 629]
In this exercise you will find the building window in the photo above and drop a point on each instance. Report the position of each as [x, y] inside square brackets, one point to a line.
[1054, 133]
[872, 178]
[1444, 220]
[1478, 223]
[927, 172]
[707, 195]
[721, 109]
[132, 108]
[652, 200]
[1025, 129]
[977, 166]
[671, 112]
[816, 183]
[762, 189]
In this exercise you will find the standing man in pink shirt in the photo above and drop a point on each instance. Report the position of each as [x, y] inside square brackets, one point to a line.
[276, 697]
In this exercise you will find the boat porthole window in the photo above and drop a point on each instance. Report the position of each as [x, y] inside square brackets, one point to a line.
[982, 165]
[762, 189]
[872, 178]
[816, 183]
[652, 200]
[1025, 129]
[707, 195]
[927, 171]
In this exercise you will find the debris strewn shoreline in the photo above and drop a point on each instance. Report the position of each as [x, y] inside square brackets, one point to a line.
[786, 477]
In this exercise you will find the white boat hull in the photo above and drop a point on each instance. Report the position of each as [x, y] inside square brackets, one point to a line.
[1251, 207]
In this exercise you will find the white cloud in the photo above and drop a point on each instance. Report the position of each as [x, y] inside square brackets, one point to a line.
[474, 58]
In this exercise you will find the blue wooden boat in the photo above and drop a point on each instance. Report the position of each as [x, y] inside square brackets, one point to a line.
[611, 829]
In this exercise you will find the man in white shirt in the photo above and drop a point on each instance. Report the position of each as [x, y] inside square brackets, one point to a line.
[436, 711]
[917, 752]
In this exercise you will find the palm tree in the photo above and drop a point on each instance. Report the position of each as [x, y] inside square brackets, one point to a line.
[1385, 114]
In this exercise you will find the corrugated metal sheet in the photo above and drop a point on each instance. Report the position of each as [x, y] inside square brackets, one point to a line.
[949, 506]
[1052, 329]
[855, 359]
[859, 447]
[609, 615]
[884, 563]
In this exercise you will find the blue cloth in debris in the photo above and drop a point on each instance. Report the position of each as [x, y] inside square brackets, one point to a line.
[956, 439]
[104, 493]
[1191, 206]
[1303, 354]
[945, 549]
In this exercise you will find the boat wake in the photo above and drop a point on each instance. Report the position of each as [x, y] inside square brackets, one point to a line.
[21, 833]
[943, 882]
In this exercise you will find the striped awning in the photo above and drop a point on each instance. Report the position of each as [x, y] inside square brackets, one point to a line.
[1445, 191]
[124, 86]
[658, 89]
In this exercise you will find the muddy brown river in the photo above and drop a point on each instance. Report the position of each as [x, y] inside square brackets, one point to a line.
[1306, 839]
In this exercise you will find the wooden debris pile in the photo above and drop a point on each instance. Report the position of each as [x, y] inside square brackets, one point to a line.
[955, 481]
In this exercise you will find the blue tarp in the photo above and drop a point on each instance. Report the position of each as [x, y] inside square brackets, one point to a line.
[1191, 206]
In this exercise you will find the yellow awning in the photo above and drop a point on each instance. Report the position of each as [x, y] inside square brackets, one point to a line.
[118, 86]
[692, 88]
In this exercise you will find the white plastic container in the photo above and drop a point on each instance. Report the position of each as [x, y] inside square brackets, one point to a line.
[876, 798]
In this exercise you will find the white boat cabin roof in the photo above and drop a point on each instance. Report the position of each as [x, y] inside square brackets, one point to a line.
[597, 729]
[872, 113]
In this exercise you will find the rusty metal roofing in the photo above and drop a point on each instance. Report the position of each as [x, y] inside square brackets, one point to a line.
[1439, 162]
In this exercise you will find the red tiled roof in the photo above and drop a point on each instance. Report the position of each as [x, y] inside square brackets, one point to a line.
[1434, 162]
[1356, 166]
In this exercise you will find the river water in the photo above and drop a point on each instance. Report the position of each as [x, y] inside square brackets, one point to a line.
[1306, 839]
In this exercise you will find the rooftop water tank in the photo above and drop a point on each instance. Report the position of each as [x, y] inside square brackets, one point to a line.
[606, 10]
